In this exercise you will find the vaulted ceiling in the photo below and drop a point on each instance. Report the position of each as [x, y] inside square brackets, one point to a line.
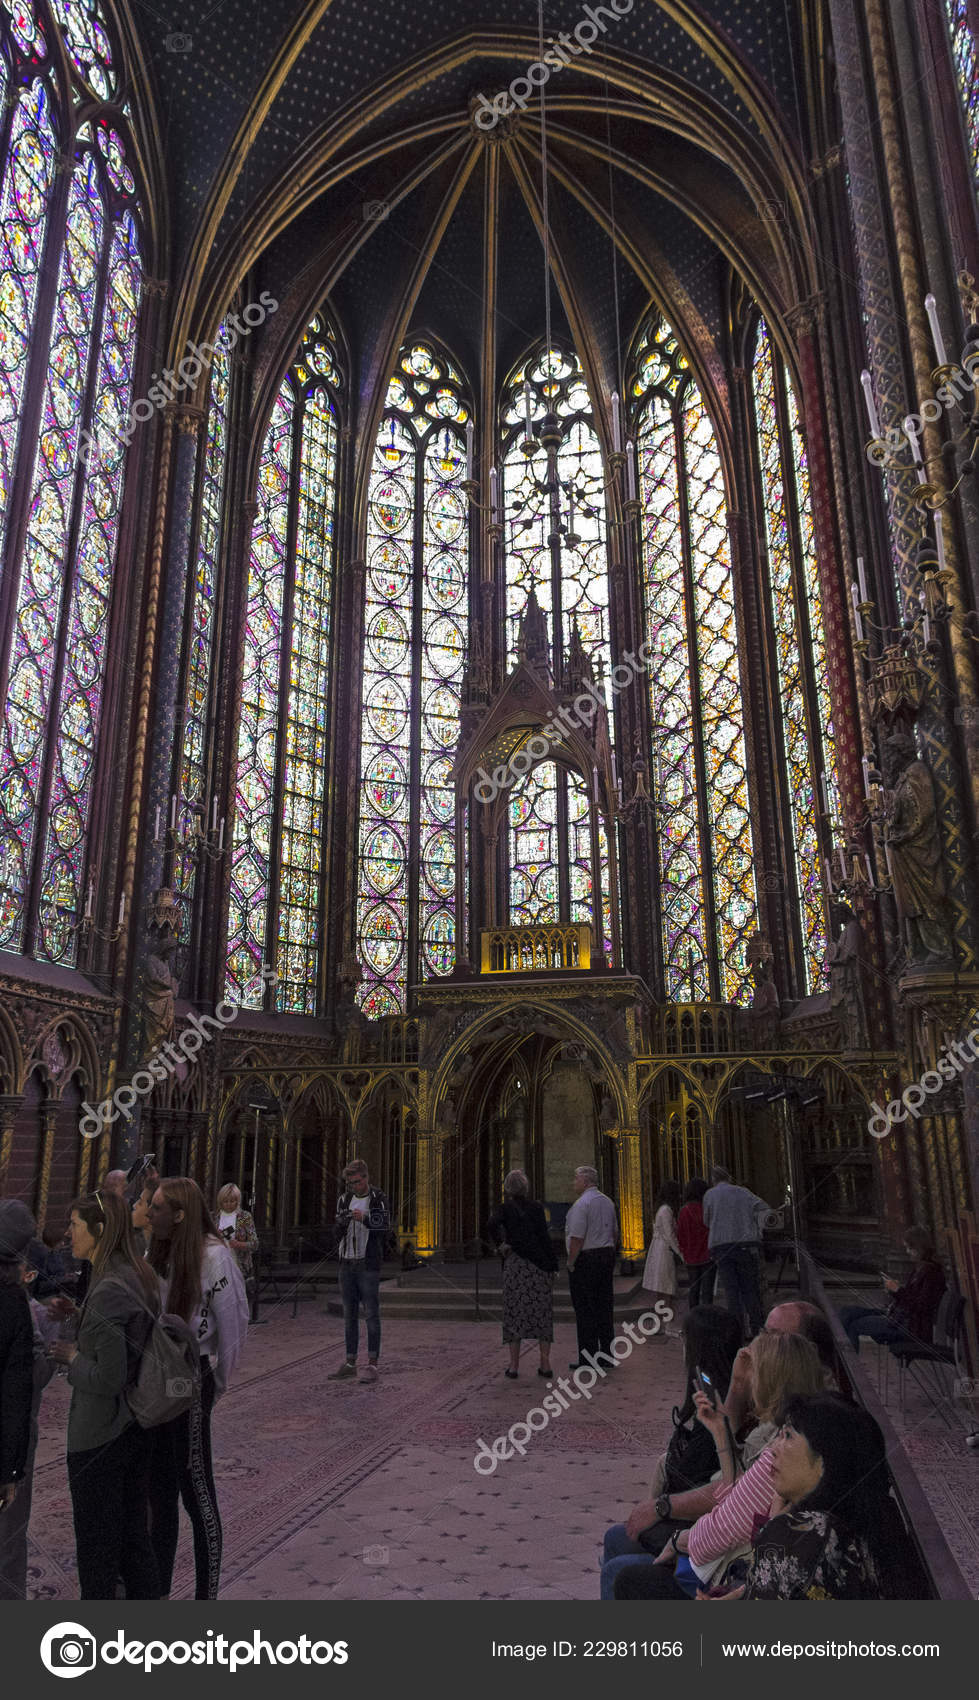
[317, 146]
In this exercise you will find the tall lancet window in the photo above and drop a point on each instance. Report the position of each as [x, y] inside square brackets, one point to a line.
[966, 61]
[707, 898]
[277, 900]
[416, 622]
[199, 621]
[800, 646]
[549, 831]
[70, 281]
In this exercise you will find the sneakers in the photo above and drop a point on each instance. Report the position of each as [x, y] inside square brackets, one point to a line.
[369, 1373]
[346, 1372]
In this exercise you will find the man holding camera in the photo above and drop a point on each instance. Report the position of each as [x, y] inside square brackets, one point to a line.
[362, 1223]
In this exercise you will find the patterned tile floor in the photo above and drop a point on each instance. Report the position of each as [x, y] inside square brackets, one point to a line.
[338, 1490]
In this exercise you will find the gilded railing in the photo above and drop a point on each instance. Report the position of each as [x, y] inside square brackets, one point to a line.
[535, 950]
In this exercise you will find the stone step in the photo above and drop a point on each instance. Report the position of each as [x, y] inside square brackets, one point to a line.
[459, 1305]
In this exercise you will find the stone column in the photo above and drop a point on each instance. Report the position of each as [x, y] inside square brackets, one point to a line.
[182, 424]
[8, 1115]
[427, 1178]
[49, 1116]
[629, 1201]
[897, 331]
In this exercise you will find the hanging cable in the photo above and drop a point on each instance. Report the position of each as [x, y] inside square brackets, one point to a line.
[544, 191]
[619, 375]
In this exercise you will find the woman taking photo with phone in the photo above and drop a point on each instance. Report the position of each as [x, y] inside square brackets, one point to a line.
[108, 1453]
[201, 1284]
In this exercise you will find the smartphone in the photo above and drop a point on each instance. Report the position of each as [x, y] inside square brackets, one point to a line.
[705, 1385]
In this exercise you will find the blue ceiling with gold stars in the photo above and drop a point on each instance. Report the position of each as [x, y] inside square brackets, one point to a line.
[372, 90]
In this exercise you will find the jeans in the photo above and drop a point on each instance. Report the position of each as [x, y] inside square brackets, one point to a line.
[701, 1288]
[356, 1284]
[618, 1553]
[737, 1265]
[182, 1469]
[873, 1325]
[108, 1500]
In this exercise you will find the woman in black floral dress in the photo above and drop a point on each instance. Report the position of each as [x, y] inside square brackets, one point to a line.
[835, 1532]
[519, 1229]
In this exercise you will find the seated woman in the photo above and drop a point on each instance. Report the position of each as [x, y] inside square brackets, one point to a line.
[784, 1366]
[677, 1493]
[831, 1536]
[910, 1317]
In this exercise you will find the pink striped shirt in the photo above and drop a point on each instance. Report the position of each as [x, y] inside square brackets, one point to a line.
[736, 1512]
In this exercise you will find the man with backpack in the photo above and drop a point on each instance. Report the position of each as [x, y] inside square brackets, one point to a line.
[362, 1224]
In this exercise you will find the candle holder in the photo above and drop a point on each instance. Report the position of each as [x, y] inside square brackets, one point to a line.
[187, 833]
[84, 928]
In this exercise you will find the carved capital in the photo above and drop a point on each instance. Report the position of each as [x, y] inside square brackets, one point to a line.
[187, 419]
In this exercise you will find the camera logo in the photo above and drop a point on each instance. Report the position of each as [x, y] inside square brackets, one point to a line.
[772, 880]
[375, 211]
[68, 1650]
[179, 1387]
[377, 1555]
[177, 42]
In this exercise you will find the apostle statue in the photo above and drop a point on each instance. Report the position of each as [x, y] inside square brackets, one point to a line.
[846, 996]
[765, 1014]
[159, 991]
[915, 852]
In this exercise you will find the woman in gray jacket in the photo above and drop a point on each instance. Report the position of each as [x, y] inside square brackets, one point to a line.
[108, 1454]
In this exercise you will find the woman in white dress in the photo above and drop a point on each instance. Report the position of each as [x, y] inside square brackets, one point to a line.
[659, 1275]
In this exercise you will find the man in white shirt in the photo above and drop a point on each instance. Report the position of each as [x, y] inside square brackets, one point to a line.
[591, 1233]
[362, 1223]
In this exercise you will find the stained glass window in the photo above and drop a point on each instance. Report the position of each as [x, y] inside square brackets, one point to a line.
[415, 640]
[556, 383]
[699, 763]
[550, 830]
[966, 60]
[807, 727]
[192, 807]
[280, 797]
[87, 42]
[65, 390]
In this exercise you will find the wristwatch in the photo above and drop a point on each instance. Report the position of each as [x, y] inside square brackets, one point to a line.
[663, 1506]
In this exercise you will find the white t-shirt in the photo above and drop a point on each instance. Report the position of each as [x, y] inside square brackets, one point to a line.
[226, 1220]
[221, 1319]
[356, 1236]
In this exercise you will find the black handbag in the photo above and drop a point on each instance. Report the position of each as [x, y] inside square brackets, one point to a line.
[691, 1458]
